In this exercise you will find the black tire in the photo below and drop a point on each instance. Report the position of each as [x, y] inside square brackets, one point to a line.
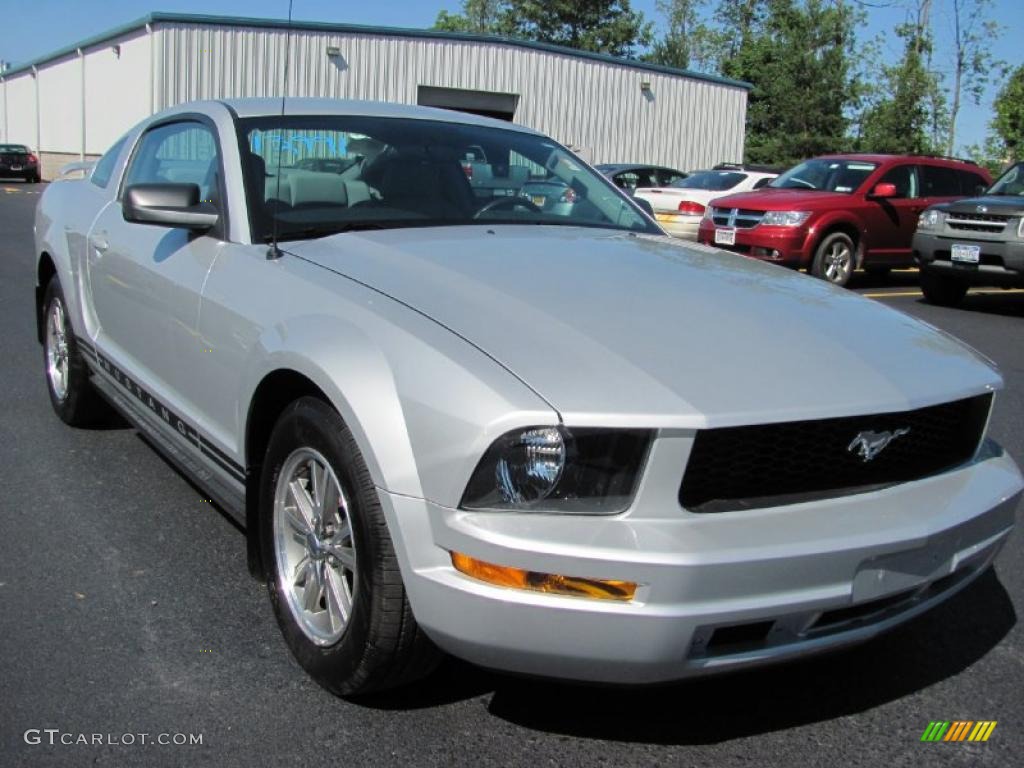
[830, 247]
[32, 179]
[943, 290]
[381, 646]
[80, 405]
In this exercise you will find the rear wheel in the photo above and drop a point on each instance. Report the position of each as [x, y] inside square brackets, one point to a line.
[835, 260]
[67, 377]
[333, 575]
[942, 289]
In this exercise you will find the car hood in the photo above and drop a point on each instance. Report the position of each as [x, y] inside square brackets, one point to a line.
[769, 199]
[614, 328]
[1008, 205]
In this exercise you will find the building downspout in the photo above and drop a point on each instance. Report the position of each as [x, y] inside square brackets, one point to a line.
[152, 69]
[39, 135]
[81, 62]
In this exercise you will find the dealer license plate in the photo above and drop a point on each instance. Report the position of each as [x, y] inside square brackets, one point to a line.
[966, 254]
[725, 236]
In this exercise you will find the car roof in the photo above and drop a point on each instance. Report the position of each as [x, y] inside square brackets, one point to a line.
[616, 167]
[266, 107]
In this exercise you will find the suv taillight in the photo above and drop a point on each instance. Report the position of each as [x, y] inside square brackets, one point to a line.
[692, 208]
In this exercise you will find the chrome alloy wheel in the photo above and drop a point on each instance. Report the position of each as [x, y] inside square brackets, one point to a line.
[314, 546]
[57, 364]
[838, 262]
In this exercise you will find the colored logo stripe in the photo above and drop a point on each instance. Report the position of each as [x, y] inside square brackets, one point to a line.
[958, 730]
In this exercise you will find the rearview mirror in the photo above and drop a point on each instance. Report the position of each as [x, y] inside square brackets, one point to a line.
[168, 205]
[883, 190]
[646, 205]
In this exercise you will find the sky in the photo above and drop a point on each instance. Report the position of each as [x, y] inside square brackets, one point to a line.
[32, 29]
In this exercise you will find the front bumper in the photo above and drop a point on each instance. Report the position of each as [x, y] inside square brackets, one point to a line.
[789, 246]
[1002, 261]
[795, 580]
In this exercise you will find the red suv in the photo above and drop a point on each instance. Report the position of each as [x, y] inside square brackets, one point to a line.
[836, 213]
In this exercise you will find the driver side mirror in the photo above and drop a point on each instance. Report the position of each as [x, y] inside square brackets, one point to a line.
[883, 190]
[168, 205]
[645, 205]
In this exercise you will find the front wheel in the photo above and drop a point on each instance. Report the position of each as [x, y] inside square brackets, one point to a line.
[942, 289]
[835, 260]
[67, 377]
[332, 572]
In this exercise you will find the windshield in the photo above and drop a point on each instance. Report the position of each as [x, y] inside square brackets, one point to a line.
[341, 173]
[1010, 183]
[826, 175]
[715, 181]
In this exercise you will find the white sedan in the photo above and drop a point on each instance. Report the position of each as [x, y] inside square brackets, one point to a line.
[680, 206]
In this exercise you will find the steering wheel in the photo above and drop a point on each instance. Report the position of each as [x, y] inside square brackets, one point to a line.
[508, 202]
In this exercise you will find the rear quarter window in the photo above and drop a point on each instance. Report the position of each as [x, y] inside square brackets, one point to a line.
[104, 167]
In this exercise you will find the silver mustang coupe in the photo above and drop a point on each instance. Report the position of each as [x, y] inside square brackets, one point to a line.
[549, 440]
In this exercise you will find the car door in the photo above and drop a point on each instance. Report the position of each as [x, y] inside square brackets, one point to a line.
[146, 280]
[892, 220]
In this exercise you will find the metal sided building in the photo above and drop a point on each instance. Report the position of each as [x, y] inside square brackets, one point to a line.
[74, 103]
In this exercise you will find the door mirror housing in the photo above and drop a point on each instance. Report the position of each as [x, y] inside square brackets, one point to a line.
[645, 205]
[884, 190]
[168, 205]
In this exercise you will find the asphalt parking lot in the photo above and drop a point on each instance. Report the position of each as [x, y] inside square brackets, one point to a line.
[126, 608]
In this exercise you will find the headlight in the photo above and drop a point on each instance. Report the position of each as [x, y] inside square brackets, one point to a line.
[785, 218]
[709, 213]
[554, 469]
[930, 219]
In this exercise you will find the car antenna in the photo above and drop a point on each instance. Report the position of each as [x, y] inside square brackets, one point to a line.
[273, 252]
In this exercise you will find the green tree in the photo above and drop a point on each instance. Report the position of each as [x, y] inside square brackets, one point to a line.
[798, 56]
[602, 26]
[1008, 122]
[904, 115]
[482, 17]
[688, 42]
[973, 34]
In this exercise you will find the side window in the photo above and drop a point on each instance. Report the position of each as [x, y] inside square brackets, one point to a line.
[666, 177]
[904, 178]
[626, 180]
[646, 178]
[971, 183]
[938, 181]
[180, 153]
[104, 167]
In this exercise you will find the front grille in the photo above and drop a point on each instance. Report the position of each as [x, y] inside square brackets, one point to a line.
[736, 217]
[992, 223]
[771, 464]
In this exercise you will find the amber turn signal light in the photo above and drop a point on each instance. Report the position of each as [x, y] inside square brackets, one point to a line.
[517, 578]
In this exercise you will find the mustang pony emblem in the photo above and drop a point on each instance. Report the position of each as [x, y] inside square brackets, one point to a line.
[869, 444]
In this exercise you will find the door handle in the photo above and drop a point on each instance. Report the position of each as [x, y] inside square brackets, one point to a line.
[99, 242]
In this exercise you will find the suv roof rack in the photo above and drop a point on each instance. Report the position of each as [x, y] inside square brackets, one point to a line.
[917, 154]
